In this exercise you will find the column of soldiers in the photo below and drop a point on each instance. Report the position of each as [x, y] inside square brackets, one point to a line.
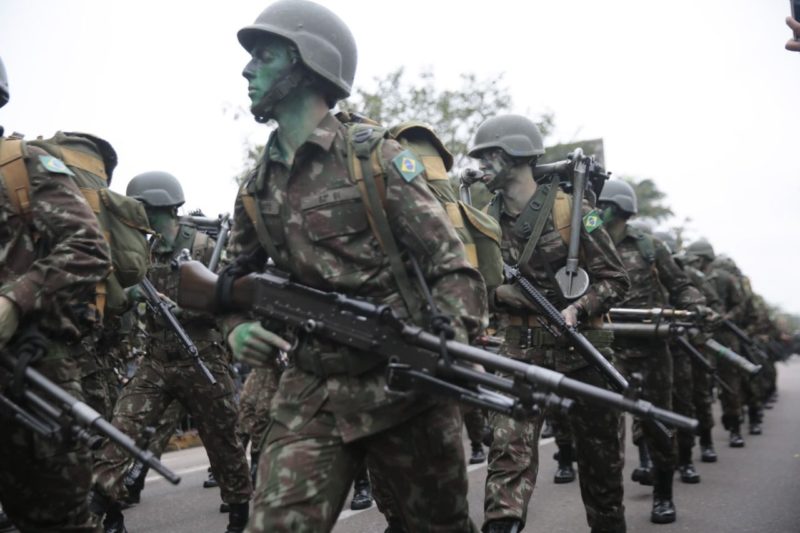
[325, 419]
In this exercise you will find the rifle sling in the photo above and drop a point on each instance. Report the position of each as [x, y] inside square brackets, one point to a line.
[262, 233]
[537, 210]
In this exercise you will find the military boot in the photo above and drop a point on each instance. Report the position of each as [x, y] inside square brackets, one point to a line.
[237, 519]
[643, 474]
[736, 440]
[547, 430]
[663, 508]
[707, 452]
[685, 466]
[504, 525]
[111, 511]
[5, 523]
[134, 482]
[211, 482]
[478, 455]
[754, 417]
[362, 493]
[565, 473]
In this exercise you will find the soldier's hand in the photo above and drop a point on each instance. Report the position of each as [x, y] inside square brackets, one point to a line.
[9, 320]
[711, 318]
[510, 295]
[793, 44]
[254, 345]
[570, 314]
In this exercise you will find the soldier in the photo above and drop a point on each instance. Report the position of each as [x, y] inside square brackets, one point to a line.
[654, 278]
[691, 390]
[52, 256]
[302, 208]
[732, 303]
[167, 374]
[508, 147]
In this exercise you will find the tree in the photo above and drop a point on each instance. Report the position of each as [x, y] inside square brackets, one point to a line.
[454, 114]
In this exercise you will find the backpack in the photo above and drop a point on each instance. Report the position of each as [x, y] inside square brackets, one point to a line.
[123, 221]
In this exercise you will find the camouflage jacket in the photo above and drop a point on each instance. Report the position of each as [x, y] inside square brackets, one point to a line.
[700, 281]
[317, 221]
[656, 281]
[49, 267]
[608, 281]
[202, 328]
[729, 289]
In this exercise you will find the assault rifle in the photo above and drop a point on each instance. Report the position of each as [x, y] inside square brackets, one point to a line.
[415, 357]
[162, 309]
[551, 319]
[678, 325]
[46, 409]
[752, 348]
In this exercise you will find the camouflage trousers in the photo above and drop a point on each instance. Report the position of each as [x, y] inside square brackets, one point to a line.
[144, 400]
[514, 462]
[702, 397]
[166, 426]
[304, 475]
[731, 401]
[44, 485]
[653, 361]
[259, 388]
[683, 394]
[474, 421]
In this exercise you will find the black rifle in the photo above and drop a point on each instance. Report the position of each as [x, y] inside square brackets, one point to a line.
[752, 348]
[415, 359]
[43, 407]
[222, 239]
[676, 324]
[162, 309]
[551, 319]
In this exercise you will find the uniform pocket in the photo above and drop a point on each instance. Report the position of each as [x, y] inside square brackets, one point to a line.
[335, 213]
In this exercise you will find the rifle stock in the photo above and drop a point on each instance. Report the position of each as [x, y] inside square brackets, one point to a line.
[413, 354]
[162, 309]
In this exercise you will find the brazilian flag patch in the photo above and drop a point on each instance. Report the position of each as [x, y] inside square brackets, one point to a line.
[408, 165]
[592, 220]
[54, 165]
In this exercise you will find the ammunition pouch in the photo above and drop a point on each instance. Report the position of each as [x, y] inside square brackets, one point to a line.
[324, 359]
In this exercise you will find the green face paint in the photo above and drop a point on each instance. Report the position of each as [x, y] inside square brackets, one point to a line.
[165, 224]
[270, 60]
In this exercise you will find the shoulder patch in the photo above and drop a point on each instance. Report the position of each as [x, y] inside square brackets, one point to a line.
[54, 165]
[592, 220]
[408, 165]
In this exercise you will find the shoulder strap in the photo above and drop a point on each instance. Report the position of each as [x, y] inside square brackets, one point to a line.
[15, 176]
[185, 239]
[537, 210]
[363, 146]
[257, 219]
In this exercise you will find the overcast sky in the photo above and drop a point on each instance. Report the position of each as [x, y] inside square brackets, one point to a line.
[698, 95]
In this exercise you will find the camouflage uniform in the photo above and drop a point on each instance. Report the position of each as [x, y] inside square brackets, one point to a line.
[327, 420]
[733, 304]
[259, 388]
[51, 278]
[167, 375]
[513, 457]
[656, 281]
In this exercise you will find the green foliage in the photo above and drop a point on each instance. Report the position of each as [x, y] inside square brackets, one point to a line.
[650, 199]
[454, 114]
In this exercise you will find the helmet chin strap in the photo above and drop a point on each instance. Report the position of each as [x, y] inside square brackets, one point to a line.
[291, 78]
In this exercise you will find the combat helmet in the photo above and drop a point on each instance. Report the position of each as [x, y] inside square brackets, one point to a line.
[324, 42]
[518, 136]
[621, 194]
[701, 248]
[3, 85]
[669, 239]
[156, 189]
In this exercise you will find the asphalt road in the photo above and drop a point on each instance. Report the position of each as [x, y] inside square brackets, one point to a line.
[751, 490]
